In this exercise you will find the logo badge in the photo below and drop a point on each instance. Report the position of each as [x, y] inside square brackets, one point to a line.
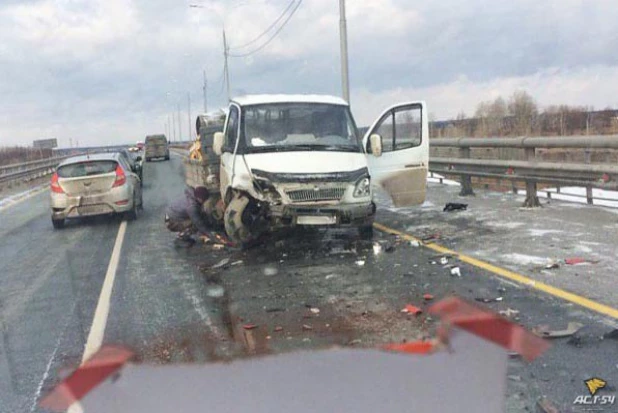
[594, 384]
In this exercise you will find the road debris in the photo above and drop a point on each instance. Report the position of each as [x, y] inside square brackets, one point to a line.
[544, 331]
[415, 243]
[269, 271]
[237, 262]
[377, 248]
[454, 206]
[552, 265]
[455, 272]
[613, 335]
[221, 263]
[514, 377]
[360, 263]
[411, 309]
[249, 326]
[488, 300]
[427, 297]
[509, 313]
[354, 342]
[430, 238]
[307, 327]
[579, 260]
[275, 310]
[546, 406]
[315, 310]
[389, 248]
[278, 329]
[218, 246]
[443, 260]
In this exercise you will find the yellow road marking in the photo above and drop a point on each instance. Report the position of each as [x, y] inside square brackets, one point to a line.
[513, 276]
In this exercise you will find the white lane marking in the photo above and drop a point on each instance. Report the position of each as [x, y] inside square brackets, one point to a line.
[39, 388]
[99, 321]
[13, 200]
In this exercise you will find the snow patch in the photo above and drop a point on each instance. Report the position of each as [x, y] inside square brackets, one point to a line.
[507, 225]
[542, 232]
[10, 200]
[525, 259]
[578, 195]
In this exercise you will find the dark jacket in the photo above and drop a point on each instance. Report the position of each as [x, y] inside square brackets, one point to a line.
[188, 207]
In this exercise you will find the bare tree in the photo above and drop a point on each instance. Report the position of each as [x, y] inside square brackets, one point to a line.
[523, 108]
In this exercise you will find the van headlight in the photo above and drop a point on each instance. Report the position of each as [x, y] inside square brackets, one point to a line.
[363, 188]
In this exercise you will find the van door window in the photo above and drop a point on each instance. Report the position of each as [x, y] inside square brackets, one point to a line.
[400, 129]
[231, 132]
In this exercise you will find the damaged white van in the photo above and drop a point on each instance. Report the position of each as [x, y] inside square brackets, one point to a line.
[288, 160]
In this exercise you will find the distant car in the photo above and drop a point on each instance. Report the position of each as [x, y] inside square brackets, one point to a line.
[140, 145]
[97, 184]
[134, 149]
[156, 147]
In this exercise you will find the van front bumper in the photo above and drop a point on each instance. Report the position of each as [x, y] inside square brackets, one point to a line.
[324, 215]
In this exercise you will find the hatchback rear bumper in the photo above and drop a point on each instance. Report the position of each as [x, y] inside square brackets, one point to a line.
[115, 201]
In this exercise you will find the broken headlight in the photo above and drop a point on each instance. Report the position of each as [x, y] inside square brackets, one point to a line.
[363, 188]
[266, 188]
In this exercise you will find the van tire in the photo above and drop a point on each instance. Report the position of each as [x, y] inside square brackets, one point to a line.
[235, 228]
[132, 214]
[366, 232]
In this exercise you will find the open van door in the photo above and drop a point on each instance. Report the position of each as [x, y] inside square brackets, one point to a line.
[397, 146]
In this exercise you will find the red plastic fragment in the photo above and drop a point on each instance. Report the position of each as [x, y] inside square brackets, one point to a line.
[249, 326]
[414, 347]
[411, 309]
[490, 326]
[573, 261]
[427, 297]
[90, 374]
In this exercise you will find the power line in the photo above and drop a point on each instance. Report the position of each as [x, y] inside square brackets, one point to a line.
[272, 37]
[289, 6]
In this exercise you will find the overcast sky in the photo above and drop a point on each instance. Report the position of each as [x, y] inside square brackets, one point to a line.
[111, 71]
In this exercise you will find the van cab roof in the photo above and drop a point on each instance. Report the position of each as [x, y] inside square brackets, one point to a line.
[281, 98]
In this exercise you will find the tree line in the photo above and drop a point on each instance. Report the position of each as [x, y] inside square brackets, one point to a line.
[519, 115]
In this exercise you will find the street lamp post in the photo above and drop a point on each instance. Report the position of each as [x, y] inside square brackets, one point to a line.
[343, 43]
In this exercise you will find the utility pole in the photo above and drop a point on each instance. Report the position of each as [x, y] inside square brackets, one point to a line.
[173, 127]
[343, 40]
[179, 126]
[189, 113]
[205, 90]
[169, 127]
[226, 70]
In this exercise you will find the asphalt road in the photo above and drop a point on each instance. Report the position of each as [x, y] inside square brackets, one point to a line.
[191, 305]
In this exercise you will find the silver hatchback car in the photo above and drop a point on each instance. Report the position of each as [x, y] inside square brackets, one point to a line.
[96, 184]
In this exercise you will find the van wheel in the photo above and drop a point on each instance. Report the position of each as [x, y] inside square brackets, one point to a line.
[366, 231]
[236, 220]
[211, 208]
[58, 223]
[167, 158]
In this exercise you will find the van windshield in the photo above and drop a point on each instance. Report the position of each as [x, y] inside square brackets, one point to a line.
[299, 127]
[156, 140]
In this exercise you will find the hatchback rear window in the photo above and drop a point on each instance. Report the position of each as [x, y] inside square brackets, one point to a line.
[88, 168]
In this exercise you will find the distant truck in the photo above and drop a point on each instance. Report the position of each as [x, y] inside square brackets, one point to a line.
[298, 160]
[156, 147]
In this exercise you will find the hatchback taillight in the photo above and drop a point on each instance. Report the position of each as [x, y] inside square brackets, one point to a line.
[121, 178]
[55, 186]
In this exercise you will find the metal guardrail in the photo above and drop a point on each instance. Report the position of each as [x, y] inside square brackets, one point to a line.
[26, 170]
[531, 171]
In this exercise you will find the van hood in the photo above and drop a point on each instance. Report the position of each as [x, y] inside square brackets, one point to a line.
[306, 162]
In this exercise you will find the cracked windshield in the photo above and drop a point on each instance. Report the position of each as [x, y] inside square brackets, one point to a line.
[308, 206]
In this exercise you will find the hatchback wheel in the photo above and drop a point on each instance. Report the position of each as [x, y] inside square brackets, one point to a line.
[58, 223]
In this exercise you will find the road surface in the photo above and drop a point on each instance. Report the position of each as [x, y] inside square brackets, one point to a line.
[102, 280]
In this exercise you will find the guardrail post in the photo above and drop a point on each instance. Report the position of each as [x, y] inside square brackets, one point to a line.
[589, 197]
[466, 180]
[532, 198]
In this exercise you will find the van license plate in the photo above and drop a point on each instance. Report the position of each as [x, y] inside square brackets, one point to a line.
[316, 220]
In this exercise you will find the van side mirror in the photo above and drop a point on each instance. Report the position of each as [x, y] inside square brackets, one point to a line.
[376, 144]
[217, 145]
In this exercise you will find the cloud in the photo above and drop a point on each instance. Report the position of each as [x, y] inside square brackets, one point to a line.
[113, 70]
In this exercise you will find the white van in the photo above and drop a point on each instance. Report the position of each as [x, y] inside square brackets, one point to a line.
[299, 160]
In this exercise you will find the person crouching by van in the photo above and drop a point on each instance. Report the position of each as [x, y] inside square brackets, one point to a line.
[186, 217]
